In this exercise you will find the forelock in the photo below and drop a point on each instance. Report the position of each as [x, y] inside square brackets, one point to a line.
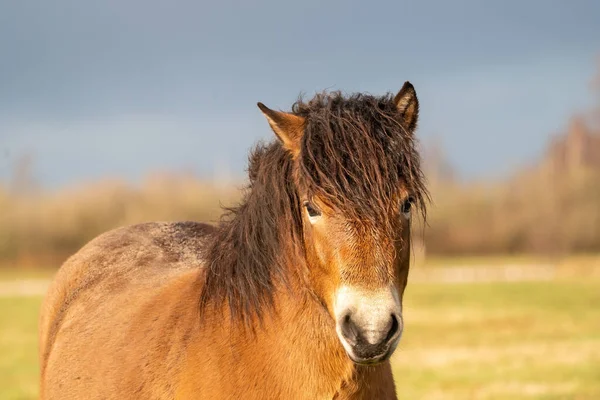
[356, 154]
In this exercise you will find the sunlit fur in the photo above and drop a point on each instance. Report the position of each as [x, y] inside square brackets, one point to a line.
[244, 310]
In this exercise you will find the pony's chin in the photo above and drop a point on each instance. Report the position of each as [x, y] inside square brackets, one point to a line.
[373, 360]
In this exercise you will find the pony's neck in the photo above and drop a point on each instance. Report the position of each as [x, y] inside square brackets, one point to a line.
[303, 329]
[304, 332]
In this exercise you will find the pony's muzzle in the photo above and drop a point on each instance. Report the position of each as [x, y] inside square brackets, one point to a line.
[370, 345]
[369, 323]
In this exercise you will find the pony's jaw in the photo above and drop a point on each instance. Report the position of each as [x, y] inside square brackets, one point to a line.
[368, 322]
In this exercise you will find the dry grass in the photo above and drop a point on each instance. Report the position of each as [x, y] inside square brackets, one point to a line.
[539, 212]
[45, 228]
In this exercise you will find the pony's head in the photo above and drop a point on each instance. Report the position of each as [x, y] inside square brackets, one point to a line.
[358, 182]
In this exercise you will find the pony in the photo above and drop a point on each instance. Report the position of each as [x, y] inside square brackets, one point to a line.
[296, 292]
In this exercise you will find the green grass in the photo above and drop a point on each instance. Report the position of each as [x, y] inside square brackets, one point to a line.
[535, 340]
[18, 347]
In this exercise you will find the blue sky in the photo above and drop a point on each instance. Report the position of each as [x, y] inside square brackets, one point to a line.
[120, 88]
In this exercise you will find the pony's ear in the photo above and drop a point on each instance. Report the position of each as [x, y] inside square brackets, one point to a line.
[288, 127]
[407, 103]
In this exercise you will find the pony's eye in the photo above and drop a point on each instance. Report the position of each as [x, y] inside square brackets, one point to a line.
[407, 206]
[311, 209]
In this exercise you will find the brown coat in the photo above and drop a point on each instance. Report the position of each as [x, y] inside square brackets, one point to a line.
[120, 321]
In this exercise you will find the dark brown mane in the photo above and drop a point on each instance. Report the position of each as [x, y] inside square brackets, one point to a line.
[355, 154]
[247, 255]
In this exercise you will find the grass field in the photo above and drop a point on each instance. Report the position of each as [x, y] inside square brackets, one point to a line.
[517, 340]
[18, 347]
[525, 340]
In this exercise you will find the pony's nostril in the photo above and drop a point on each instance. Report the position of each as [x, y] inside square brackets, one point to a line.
[394, 328]
[349, 329]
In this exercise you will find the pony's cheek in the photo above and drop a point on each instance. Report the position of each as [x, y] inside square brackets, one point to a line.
[320, 250]
[322, 246]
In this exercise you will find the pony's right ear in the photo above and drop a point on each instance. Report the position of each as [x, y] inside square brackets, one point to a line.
[288, 127]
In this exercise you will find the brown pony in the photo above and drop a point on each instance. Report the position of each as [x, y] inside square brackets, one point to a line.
[295, 294]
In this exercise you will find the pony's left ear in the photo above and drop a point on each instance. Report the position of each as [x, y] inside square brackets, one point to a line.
[288, 127]
[407, 103]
